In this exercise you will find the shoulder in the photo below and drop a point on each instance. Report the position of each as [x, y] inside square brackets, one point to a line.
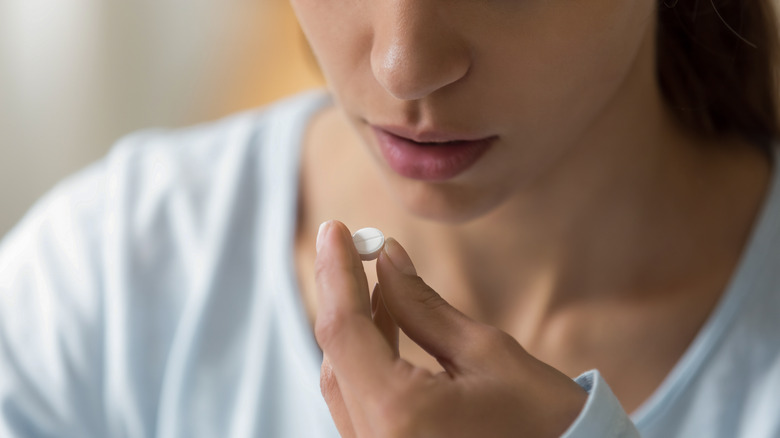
[728, 380]
[184, 156]
[124, 269]
[177, 187]
[214, 137]
[151, 220]
[148, 169]
[744, 368]
[172, 182]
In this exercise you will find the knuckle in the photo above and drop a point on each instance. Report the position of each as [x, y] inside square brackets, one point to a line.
[488, 340]
[329, 386]
[322, 269]
[327, 327]
[428, 297]
[504, 340]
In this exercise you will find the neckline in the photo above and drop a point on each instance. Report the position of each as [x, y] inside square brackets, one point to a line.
[683, 372]
[289, 130]
[739, 287]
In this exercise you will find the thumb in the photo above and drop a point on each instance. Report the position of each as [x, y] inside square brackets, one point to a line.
[430, 321]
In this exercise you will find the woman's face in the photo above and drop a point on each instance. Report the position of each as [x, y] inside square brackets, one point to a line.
[523, 81]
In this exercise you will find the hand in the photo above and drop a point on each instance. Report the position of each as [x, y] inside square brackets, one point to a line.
[491, 386]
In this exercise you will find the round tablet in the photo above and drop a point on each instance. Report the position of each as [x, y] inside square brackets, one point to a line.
[368, 241]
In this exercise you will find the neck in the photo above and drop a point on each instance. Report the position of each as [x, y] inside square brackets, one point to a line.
[635, 210]
[631, 212]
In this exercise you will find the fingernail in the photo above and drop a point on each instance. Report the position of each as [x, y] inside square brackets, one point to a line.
[399, 257]
[321, 233]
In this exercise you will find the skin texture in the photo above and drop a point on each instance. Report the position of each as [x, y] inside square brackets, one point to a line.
[489, 387]
[596, 223]
[416, 63]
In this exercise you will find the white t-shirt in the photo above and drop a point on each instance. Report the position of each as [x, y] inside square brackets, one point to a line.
[154, 294]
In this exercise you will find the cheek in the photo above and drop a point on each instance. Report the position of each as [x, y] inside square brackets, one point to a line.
[339, 34]
[585, 61]
[553, 81]
[552, 85]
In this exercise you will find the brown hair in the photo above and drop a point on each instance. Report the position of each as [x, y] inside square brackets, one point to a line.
[717, 66]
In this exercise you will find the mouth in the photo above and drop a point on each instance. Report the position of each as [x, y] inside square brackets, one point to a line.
[430, 155]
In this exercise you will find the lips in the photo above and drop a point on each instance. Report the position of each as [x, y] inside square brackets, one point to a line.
[430, 156]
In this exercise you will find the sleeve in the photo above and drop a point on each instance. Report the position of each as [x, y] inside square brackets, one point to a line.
[602, 416]
[50, 315]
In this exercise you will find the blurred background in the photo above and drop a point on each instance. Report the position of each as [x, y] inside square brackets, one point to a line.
[76, 75]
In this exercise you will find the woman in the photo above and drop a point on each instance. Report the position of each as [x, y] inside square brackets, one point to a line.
[581, 185]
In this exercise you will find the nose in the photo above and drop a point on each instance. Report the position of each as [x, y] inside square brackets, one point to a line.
[414, 51]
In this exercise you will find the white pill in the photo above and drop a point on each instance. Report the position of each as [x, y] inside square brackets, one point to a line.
[368, 241]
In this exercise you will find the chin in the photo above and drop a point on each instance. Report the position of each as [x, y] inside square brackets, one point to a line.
[446, 203]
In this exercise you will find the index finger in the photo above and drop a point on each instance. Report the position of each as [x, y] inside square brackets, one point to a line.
[360, 356]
